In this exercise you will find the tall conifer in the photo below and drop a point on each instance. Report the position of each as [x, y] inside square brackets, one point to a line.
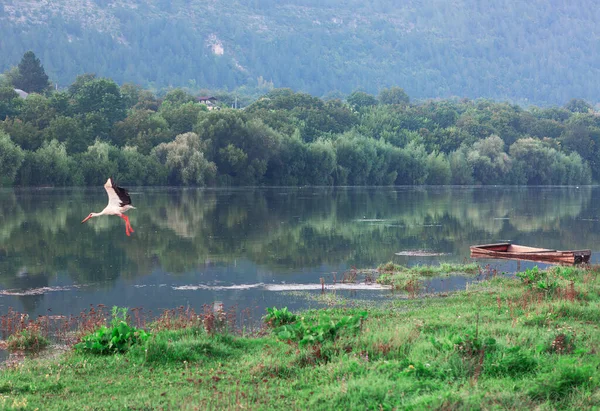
[31, 78]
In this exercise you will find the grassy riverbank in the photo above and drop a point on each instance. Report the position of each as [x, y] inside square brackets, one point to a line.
[506, 343]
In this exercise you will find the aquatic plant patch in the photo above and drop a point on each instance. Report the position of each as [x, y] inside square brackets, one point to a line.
[411, 279]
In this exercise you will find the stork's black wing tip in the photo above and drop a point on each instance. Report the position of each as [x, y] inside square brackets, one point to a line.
[122, 194]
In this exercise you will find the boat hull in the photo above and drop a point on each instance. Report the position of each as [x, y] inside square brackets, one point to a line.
[519, 252]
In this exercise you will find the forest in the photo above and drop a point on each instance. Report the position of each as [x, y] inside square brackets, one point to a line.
[96, 128]
[535, 52]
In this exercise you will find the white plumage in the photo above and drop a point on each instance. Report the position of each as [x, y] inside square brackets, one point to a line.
[119, 202]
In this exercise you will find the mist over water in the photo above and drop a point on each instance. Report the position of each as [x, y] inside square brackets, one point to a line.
[248, 247]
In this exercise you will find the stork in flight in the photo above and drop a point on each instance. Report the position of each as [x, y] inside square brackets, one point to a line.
[118, 203]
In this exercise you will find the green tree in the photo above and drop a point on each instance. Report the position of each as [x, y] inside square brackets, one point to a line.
[142, 128]
[185, 161]
[131, 94]
[97, 162]
[475, 126]
[539, 164]
[4, 81]
[438, 169]
[287, 167]
[146, 101]
[577, 137]
[360, 99]
[10, 103]
[37, 110]
[134, 168]
[9, 76]
[11, 157]
[357, 159]
[61, 103]
[48, 165]
[393, 95]
[240, 146]
[80, 81]
[68, 130]
[31, 77]
[177, 97]
[321, 162]
[286, 111]
[491, 164]
[102, 96]
[286, 99]
[578, 105]
[447, 139]
[460, 168]
[442, 113]
[385, 167]
[95, 124]
[181, 117]
[412, 164]
[382, 122]
[25, 135]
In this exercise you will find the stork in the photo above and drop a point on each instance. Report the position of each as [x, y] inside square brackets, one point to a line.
[118, 203]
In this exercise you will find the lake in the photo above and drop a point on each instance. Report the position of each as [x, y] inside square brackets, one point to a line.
[250, 247]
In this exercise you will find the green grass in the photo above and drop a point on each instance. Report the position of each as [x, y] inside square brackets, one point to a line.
[503, 344]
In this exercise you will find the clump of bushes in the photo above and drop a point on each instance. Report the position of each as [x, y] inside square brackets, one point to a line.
[116, 339]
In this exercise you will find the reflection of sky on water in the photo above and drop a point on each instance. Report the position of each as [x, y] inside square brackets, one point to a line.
[220, 240]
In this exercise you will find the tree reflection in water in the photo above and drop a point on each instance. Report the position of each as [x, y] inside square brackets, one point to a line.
[275, 230]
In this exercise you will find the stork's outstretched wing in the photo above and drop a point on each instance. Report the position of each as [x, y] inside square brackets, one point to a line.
[117, 196]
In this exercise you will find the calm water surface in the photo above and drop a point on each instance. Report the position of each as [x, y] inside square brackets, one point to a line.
[245, 247]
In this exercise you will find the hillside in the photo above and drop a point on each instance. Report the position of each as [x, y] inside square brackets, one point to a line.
[541, 52]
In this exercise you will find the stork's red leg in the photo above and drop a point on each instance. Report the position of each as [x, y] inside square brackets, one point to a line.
[124, 217]
[129, 224]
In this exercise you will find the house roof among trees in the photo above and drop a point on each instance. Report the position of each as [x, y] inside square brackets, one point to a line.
[21, 93]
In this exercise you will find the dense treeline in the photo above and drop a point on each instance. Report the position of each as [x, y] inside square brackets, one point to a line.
[535, 51]
[96, 128]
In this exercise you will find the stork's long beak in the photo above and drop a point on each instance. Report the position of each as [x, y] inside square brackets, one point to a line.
[85, 219]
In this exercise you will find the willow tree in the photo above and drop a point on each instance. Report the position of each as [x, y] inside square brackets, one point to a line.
[11, 157]
[185, 161]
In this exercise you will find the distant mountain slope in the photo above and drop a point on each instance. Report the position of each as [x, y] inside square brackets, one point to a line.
[539, 51]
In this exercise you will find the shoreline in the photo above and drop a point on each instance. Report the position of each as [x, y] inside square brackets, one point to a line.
[536, 332]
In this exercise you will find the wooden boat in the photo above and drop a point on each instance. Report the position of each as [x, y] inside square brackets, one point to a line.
[520, 252]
